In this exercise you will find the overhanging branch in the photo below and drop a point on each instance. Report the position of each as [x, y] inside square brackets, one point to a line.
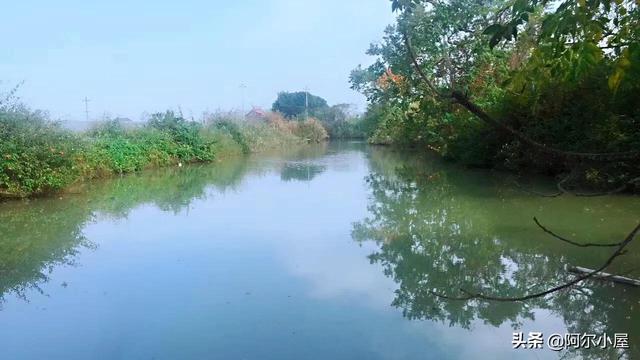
[462, 99]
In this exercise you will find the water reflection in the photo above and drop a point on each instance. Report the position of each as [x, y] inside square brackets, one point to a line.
[35, 239]
[441, 228]
[301, 171]
[39, 235]
[428, 226]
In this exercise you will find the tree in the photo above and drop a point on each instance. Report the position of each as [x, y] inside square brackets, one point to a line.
[439, 75]
[576, 36]
[335, 113]
[294, 104]
[558, 97]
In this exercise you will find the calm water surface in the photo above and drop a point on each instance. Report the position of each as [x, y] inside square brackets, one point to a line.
[326, 252]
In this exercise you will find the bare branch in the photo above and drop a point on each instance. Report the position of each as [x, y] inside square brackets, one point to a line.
[537, 192]
[421, 73]
[463, 100]
[616, 190]
[619, 251]
[571, 241]
[560, 184]
[619, 189]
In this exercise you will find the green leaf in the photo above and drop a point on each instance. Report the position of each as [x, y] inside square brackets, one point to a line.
[520, 6]
[615, 79]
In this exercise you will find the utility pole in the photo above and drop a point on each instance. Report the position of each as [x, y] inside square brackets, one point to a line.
[86, 108]
[306, 103]
[242, 90]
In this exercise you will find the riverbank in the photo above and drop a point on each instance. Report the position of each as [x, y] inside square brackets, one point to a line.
[39, 157]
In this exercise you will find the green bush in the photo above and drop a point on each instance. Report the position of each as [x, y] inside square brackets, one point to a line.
[192, 145]
[233, 130]
[347, 129]
[36, 156]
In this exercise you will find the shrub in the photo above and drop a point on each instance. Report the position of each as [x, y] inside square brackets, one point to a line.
[192, 146]
[310, 130]
[234, 131]
[277, 121]
[36, 156]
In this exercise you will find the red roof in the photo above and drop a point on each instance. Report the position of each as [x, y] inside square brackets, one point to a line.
[256, 112]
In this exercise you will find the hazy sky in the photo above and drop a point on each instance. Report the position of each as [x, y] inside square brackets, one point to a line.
[132, 56]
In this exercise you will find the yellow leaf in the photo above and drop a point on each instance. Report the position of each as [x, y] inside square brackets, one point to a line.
[615, 79]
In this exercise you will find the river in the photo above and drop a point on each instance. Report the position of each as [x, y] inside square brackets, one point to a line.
[331, 251]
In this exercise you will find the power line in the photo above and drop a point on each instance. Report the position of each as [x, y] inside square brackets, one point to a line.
[242, 90]
[86, 108]
[306, 103]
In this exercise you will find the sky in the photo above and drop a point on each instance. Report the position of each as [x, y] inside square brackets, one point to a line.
[135, 57]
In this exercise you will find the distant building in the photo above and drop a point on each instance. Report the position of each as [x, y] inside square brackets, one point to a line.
[256, 114]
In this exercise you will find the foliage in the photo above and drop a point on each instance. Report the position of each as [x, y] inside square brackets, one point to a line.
[294, 104]
[234, 131]
[454, 53]
[576, 36]
[36, 156]
[262, 136]
[272, 132]
[192, 145]
[39, 157]
[566, 75]
[9, 100]
[339, 121]
[310, 130]
[334, 113]
[347, 129]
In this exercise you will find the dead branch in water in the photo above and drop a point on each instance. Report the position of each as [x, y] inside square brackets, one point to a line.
[570, 241]
[606, 276]
[537, 193]
[469, 295]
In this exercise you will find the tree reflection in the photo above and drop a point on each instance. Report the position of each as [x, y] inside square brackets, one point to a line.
[38, 235]
[301, 171]
[440, 229]
[35, 239]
